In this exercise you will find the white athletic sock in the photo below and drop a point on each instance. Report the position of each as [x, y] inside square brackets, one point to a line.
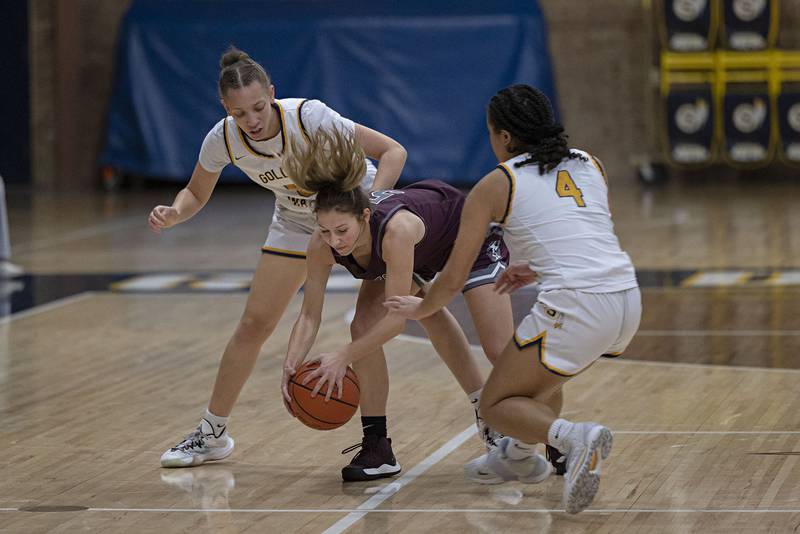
[557, 435]
[217, 423]
[475, 399]
[518, 450]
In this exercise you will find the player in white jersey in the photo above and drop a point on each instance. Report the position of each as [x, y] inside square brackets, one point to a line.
[254, 137]
[552, 203]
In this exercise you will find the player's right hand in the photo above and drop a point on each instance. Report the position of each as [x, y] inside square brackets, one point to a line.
[162, 217]
[518, 274]
[405, 306]
[288, 373]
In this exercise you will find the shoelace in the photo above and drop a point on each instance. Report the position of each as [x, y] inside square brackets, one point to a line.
[351, 448]
[194, 440]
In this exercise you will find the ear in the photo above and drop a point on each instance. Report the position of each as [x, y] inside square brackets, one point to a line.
[271, 94]
[366, 213]
[224, 105]
[506, 138]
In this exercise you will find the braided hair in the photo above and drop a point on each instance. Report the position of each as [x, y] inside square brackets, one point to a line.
[527, 115]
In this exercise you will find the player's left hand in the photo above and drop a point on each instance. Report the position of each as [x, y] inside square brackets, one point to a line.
[331, 370]
[405, 306]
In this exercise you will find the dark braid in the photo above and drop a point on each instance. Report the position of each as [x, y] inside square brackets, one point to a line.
[525, 113]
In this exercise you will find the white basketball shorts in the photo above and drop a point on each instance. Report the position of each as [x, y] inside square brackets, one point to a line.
[572, 328]
[289, 234]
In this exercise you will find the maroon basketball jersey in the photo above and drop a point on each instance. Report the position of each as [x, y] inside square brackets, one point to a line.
[436, 203]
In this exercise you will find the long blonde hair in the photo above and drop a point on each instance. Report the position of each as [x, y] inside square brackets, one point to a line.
[332, 165]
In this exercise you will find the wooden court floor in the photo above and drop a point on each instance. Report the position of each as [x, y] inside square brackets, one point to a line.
[95, 386]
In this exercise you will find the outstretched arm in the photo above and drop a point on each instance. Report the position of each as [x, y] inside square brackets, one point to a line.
[188, 201]
[319, 261]
[390, 155]
[485, 204]
[403, 231]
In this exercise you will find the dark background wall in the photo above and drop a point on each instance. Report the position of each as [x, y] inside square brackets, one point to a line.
[602, 51]
[14, 95]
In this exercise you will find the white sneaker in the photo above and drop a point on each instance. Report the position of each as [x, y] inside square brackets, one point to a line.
[589, 445]
[495, 467]
[10, 270]
[199, 447]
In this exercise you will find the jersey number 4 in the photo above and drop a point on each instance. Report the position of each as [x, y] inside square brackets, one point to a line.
[565, 187]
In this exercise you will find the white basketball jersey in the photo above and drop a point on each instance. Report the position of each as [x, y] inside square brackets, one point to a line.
[561, 223]
[261, 161]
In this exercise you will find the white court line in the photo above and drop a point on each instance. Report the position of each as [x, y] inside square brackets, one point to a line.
[425, 341]
[708, 432]
[50, 306]
[627, 361]
[392, 488]
[436, 510]
[622, 360]
[83, 233]
[726, 333]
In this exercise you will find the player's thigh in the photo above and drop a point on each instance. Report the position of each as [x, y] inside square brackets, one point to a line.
[519, 373]
[369, 306]
[494, 321]
[276, 281]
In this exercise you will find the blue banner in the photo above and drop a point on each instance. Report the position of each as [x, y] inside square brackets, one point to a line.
[421, 72]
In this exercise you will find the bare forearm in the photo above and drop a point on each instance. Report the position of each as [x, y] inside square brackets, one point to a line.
[303, 336]
[389, 168]
[439, 295]
[384, 330]
[187, 204]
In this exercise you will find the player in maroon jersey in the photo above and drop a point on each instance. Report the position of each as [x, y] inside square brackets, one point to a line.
[398, 240]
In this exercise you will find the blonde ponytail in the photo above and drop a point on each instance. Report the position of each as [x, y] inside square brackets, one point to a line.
[331, 159]
[332, 165]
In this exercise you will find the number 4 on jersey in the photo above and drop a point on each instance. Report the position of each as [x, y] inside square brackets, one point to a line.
[565, 187]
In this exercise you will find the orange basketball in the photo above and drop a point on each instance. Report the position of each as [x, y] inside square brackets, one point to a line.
[315, 412]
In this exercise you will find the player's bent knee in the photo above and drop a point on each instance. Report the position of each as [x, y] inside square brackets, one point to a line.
[363, 320]
[256, 326]
[493, 352]
[489, 412]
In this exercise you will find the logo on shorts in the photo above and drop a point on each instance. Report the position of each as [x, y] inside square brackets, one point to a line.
[494, 251]
[559, 317]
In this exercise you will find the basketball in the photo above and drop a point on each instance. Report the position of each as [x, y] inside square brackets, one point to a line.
[315, 412]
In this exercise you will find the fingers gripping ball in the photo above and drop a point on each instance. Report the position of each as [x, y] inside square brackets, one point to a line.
[315, 412]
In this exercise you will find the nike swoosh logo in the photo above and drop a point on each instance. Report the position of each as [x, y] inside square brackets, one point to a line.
[239, 157]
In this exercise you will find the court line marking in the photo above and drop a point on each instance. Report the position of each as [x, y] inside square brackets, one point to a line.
[82, 233]
[709, 432]
[50, 306]
[363, 512]
[390, 489]
[727, 333]
[622, 360]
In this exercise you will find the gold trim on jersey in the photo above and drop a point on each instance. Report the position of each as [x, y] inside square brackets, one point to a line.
[253, 151]
[540, 341]
[283, 252]
[300, 191]
[596, 162]
[225, 136]
[300, 120]
[512, 185]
